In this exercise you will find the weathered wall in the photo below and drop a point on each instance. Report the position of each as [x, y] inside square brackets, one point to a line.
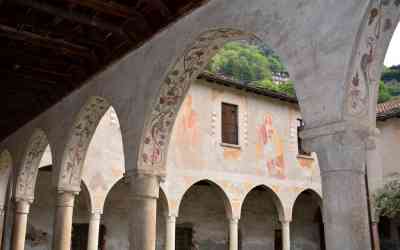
[267, 155]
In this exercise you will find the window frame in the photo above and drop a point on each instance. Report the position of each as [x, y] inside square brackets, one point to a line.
[237, 128]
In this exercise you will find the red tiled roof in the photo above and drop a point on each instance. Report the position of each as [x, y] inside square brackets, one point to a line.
[388, 109]
[384, 111]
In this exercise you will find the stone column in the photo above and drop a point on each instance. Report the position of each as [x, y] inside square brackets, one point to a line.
[143, 212]
[2, 221]
[94, 230]
[170, 233]
[375, 236]
[63, 220]
[233, 234]
[20, 224]
[285, 235]
[341, 150]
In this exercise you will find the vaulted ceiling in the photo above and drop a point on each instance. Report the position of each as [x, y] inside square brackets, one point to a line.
[50, 47]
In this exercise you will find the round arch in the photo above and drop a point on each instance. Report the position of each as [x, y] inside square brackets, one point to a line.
[28, 171]
[316, 196]
[220, 191]
[89, 201]
[6, 165]
[275, 198]
[163, 198]
[80, 136]
[366, 66]
[159, 123]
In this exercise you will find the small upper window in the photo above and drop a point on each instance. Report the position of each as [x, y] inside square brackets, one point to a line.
[300, 127]
[230, 128]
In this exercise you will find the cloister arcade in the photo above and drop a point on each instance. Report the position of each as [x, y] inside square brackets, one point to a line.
[334, 50]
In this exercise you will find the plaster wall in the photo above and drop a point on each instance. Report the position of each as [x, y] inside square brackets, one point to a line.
[388, 142]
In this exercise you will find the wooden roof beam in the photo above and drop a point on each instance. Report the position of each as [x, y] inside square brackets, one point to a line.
[72, 16]
[110, 8]
[47, 42]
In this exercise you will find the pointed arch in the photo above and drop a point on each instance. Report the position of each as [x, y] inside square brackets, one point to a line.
[220, 191]
[85, 125]
[28, 171]
[6, 165]
[275, 198]
[159, 123]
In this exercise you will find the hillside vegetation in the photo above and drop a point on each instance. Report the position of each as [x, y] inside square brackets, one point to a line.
[255, 64]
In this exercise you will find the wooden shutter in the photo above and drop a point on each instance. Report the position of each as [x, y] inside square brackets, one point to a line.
[183, 240]
[229, 124]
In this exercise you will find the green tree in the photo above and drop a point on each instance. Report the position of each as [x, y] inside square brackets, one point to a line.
[242, 62]
[384, 93]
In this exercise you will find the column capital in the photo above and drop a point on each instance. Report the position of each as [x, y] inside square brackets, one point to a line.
[66, 198]
[22, 206]
[171, 218]
[144, 185]
[285, 222]
[339, 144]
[234, 220]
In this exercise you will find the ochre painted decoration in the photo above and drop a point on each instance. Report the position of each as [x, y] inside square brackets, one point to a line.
[83, 130]
[27, 174]
[363, 77]
[272, 148]
[173, 90]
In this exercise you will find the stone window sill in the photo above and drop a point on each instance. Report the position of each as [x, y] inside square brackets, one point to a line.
[228, 145]
[308, 157]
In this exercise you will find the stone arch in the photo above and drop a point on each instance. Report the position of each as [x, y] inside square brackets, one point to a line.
[158, 126]
[317, 196]
[6, 165]
[366, 65]
[28, 171]
[275, 197]
[89, 201]
[73, 158]
[166, 203]
[223, 195]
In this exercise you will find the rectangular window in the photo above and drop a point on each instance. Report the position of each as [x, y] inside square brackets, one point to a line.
[230, 128]
[300, 127]
[183, 240]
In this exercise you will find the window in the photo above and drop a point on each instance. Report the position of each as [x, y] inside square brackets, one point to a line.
[229, 124]
[183, 240]
[300, 127]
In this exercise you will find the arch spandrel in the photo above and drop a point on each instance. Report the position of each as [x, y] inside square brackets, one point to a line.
[28, 171]
[80, 136]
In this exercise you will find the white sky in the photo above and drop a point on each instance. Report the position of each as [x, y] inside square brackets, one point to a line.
[393, 53]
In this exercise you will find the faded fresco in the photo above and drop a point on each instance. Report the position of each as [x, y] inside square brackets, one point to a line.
[270, 147]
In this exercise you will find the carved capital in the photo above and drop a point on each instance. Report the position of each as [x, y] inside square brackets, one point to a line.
[144, 185]
[341, 146]
[66, 198]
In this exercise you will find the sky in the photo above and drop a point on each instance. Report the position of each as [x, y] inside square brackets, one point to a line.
[393, 53]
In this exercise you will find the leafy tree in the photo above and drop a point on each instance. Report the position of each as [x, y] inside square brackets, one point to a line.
[387, 200]
[384, 93]
[242, 62]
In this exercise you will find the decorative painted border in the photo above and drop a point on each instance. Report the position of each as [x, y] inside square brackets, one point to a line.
[362, 80]
[26, 178]
[82, 133]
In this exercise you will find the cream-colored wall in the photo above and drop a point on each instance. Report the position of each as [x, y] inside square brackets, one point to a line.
[267, 153]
